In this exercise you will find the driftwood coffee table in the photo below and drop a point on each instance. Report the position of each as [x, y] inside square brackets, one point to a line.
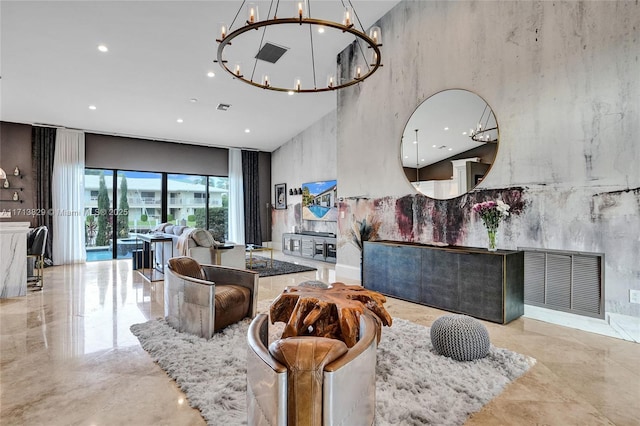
[332, 312]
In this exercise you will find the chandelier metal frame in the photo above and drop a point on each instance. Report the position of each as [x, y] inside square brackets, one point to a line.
[226, 40]
[482, 133]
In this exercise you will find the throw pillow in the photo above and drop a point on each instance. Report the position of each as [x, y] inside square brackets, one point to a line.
[178, 229]
[186, 266]
[160, 227]
[203, 238]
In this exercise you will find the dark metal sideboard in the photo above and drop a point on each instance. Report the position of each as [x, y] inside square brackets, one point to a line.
[467, 280]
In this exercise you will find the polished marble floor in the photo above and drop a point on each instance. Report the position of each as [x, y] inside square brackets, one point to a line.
[67, 357]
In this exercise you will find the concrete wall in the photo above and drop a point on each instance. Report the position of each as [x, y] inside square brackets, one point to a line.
[562, 79]
[308, 157]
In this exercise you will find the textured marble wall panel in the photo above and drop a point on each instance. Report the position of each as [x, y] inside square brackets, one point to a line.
[562, 79]
[308, 157]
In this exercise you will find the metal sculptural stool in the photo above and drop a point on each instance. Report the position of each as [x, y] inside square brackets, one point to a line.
[460, 337]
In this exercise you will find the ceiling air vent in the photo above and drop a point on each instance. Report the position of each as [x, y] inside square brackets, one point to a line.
[271, 52]
[223, 107]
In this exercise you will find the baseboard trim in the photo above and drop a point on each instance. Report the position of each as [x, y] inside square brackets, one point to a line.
[348, 271]
[592, 325]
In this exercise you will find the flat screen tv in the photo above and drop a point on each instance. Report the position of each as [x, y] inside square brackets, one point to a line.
[320, 201]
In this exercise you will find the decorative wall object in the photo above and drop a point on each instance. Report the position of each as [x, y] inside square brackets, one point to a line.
[281, 196]
[319, 201]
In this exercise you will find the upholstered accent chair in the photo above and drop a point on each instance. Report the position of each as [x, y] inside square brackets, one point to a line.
[311, 380]
[202, 299]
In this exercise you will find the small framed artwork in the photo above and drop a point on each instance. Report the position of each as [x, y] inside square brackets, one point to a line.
[281, 196]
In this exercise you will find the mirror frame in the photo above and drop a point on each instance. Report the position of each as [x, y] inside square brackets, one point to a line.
[458, 155]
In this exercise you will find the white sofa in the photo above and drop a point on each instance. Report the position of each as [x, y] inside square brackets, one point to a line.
[199, 244]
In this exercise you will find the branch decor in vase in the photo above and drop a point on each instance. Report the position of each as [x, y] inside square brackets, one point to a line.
[491, 213]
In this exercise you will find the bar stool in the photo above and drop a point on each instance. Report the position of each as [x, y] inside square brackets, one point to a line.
[37, 241]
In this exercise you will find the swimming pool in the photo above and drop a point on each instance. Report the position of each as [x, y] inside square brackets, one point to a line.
[318, 211]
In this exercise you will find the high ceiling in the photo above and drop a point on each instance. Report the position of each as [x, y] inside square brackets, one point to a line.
[154, 73]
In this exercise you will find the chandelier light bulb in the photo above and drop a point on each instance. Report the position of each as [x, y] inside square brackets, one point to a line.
[238, 70]
[265, 80]
[16, 171]
[376, 35]
[358, 72]
[252, 13]
[223, 32]
[330, 81]
[298, 85]
[300, 10]
[347, 17]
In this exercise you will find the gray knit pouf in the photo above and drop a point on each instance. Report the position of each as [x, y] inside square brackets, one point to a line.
[460, 337]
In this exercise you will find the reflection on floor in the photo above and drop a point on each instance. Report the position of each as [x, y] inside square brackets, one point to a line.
[67, 357]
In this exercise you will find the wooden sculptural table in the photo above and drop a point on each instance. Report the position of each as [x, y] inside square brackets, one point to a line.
[332, 312]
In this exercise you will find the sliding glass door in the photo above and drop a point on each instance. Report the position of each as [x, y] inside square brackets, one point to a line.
[117, 206]
[218, 209]
[187, 200]
[123, 203]
[138, 208]
[98, 193]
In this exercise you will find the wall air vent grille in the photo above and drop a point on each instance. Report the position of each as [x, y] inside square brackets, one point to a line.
[565, 281]
[271, 52]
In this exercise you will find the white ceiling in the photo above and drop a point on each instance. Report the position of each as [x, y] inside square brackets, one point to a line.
[158, 58]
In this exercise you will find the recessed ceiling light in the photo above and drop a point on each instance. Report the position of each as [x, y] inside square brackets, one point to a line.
[433, 146]
[247, 130]
[211, 74]
[193, 100]
[464, 133]
[103, 48]
[406, 156]
[92, 107]
[180, 120]
[450, 149]
[446, 128]
[415, 142]
[422, 159]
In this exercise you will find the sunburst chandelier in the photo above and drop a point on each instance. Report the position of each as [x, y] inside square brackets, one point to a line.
[256, 51]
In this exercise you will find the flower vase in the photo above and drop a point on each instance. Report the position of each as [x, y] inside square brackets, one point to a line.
[492, 239]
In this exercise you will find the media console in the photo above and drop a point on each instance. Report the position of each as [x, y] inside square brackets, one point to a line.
[467, 280]
[317, 246]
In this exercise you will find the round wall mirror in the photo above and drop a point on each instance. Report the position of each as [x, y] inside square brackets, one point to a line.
[449, 144]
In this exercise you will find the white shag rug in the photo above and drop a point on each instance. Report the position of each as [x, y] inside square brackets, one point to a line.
[414, 385]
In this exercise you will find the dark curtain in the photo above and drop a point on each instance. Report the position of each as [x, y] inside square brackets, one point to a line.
[250, 180]
[43, 142]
